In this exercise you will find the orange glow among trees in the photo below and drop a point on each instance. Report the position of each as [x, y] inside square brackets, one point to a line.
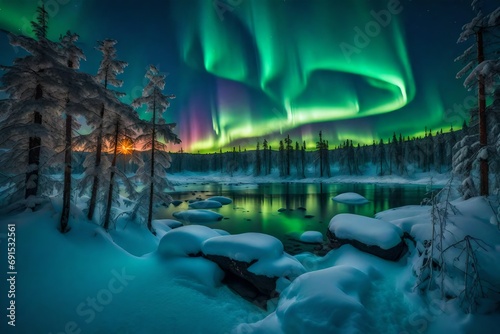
[125, 146]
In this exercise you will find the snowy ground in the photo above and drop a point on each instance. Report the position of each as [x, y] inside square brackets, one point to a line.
[89, 281]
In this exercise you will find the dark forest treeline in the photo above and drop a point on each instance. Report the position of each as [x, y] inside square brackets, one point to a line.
[397, 155]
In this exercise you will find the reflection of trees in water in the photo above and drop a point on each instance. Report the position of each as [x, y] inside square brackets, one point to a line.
[396, 196]
[255, 207]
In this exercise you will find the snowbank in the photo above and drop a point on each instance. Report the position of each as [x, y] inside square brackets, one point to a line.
[135, 238]
[242, 178]
[185, 240]
[369, 231]
[324, 301]
[172, 223]
[162, 226]
[198, 216]
[350, 198]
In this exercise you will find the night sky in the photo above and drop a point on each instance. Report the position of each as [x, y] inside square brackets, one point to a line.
[245, 70]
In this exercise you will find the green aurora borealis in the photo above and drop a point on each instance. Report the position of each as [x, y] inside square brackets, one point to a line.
[245, 70]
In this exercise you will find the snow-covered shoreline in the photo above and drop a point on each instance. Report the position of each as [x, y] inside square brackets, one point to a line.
[437, 179]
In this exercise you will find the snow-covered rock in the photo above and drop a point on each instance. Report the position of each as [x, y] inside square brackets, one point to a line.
[254, 263]
[198, 216]
[162, 226]
[244, 247]
[221, 199]
[325, 301]
[221, 232]
[185, 241]
[206, 204]
[172, 223]
[313, 237]
[350, 198]
[370, 235]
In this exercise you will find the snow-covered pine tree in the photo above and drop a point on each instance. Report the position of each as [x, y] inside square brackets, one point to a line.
[493, 117]
[123, 125]
[73, 56]
[482, 67]
[464, 157]
[152, 173]
[30, 126]
[109, 68]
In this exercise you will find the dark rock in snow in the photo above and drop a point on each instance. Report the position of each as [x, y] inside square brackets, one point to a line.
[301, 208]
[248, 285]
[309, 216]
[176, 203]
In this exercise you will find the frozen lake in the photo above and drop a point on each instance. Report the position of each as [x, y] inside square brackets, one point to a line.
[255, 206]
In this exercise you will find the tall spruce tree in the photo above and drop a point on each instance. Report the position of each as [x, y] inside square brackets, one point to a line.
[153, 172]
[108, 70]
[483, 67]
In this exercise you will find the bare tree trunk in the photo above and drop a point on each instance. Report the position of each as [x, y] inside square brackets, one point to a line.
[68, 150]
[34, 147]
[67, 176]
[483, 137]
[95, 182]
[151, 184]
[109, 200]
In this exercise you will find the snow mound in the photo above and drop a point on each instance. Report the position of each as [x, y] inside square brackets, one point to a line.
[221, 199]
[196, 270]
[313, 237]
[244, 247]
[206, 204]
[162, 226]
[134, 238]
[350, 198]
[172, 223]
[403, 212]
[369, 231]
[185, 240]
[221, 232]
[282, 266]
[324, 301]
[198, 216]
[272, 261]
